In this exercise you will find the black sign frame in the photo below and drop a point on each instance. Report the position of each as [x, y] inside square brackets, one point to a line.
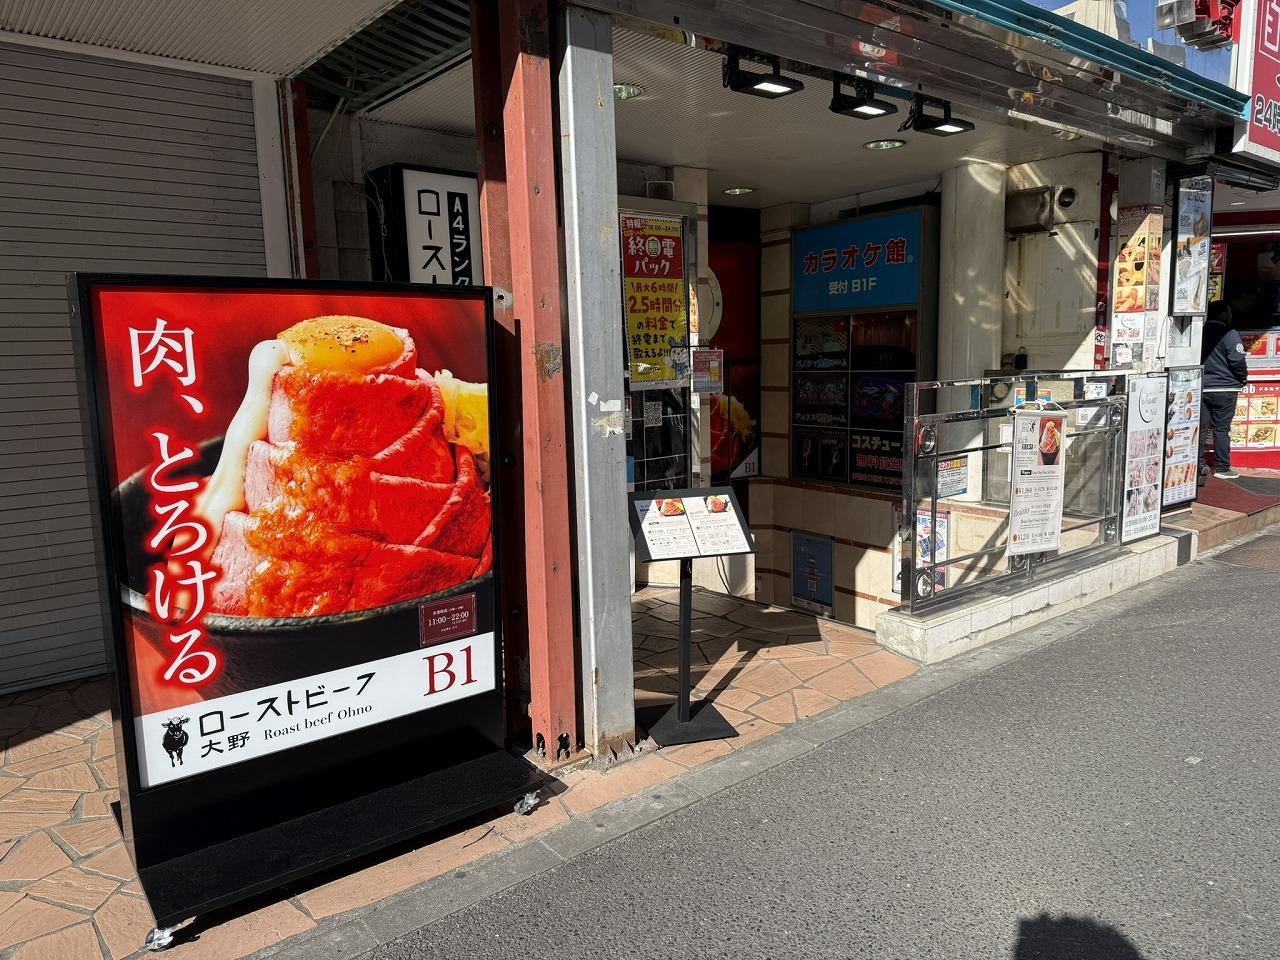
[216, 838]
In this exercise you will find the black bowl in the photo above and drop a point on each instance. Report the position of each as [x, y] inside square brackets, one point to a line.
[258, 651]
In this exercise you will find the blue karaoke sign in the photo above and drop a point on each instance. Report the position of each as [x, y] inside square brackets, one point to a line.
[857, 264]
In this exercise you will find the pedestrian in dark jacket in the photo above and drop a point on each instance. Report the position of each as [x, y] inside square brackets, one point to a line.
[1225, 374]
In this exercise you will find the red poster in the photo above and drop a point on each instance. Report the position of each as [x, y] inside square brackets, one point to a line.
[296, 480]
[1264, 113]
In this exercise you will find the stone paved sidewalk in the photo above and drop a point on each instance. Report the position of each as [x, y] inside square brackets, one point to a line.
[68, 890]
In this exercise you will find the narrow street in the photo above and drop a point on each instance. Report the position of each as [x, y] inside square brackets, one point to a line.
[1104, 797]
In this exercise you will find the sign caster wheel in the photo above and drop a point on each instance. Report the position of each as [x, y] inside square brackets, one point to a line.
[527, 804]
[160, 938]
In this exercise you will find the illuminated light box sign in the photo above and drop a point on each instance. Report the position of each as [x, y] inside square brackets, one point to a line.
[299, 537]
[857, 264]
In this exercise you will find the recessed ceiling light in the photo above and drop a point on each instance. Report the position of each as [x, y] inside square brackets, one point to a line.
[767, 85]
[625, 91]
[1236, 203]
[739, 191]
[890, 143]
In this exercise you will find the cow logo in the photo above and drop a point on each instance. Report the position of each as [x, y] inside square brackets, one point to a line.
[175, 738]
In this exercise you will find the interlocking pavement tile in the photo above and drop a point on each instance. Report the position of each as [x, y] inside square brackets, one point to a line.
[659, 644]
[768, 680]
[114, 862]
[98, 803]
[246, 934]
[74, 776]
[400, 873]
[669, 612]
[848, 649]
[806, 667]
[90, 836]
[21, 748]
[810, 703]
[16, 717]
[47, 761]
[73, 943]
[28, 919]
[780, 709]
[693, 754]
[621, 781]
[6, 846]
[783, 651]
[106, 768]
[13, 825]
[518, 827]
[35, 857]
[9, 784]
[39, 801]
[124, 922]
[843, 682]
[735, 698]
[104, 745]
[73, 887]
[884, 668]
[9, 897]
[714, 627]
[751, 731]
[92, 697]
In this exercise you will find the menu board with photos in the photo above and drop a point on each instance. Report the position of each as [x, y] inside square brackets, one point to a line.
[1144, 444]
[1137, 275]
[1191, 253]
[848, 383]
[1182, 436]
[1257, 421]
[697, 522]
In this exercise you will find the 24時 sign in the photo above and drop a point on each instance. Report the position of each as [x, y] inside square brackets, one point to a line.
[857, 264]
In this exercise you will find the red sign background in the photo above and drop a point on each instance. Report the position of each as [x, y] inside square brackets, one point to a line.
[1264, 111]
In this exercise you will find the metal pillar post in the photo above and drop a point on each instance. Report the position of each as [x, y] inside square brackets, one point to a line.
[589, 167]
[525, 222]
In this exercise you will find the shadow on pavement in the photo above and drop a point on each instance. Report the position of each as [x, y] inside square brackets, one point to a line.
[1071, 938]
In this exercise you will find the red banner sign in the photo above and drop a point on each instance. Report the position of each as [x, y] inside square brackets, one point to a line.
[1264, 113]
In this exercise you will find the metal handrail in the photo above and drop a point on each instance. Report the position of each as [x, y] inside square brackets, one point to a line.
[923, 453]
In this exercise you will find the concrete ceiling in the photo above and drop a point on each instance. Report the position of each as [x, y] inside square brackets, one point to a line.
[792, 149]
[277, 37]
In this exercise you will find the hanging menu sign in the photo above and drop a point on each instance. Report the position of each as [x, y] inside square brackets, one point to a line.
[699, 522]
[654, 301]
[1182, 436]
[1137, 275]
[1035, 500]
[1144, 446]
[1191, 259]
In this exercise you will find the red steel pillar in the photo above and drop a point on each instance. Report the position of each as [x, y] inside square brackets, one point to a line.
[511, 47]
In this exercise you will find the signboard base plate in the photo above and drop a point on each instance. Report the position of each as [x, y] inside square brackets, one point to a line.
[705, 723]
[229, 872]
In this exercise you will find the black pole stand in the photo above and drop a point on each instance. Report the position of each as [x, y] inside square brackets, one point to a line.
[681, 723]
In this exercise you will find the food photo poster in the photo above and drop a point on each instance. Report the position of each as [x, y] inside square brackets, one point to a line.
[300, 511]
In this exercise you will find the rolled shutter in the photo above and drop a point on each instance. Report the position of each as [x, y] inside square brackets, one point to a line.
[104, 166]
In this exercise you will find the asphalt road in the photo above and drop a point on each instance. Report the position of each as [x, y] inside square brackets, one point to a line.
[1111, 796]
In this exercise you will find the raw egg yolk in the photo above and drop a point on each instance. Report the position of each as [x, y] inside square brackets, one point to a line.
[346, 344]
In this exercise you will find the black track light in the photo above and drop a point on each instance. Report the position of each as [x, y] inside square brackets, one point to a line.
[767, 85]
[862, 104]
[943, 126]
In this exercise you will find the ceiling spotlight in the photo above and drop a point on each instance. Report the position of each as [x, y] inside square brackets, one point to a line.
[862, 104]
[1236, 203]
[890, 143]
[767, 85]
[739, 191]
[943, 126]
[625, 91]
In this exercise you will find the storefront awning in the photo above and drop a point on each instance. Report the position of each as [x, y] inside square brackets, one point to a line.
[1098, 48]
